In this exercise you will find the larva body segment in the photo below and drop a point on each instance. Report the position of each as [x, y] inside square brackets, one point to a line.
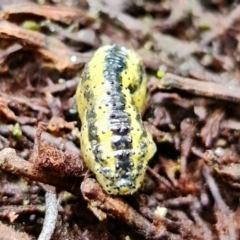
[110, 96]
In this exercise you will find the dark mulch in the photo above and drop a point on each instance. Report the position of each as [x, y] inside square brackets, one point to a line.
[191, 52]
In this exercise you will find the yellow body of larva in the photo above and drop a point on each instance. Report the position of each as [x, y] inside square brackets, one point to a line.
[110, 96]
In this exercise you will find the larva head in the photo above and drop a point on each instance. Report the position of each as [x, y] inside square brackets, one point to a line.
[119, 182]
[123, 171]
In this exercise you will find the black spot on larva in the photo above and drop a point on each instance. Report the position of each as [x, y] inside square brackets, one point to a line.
[133, 87]
[138, 117]
[139, 167]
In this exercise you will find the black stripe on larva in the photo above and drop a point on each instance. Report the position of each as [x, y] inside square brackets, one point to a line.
[85, 76]
[92, 129]
[141, 74]
[120, 123]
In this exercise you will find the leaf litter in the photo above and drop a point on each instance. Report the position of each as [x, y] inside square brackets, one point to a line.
[191, 53]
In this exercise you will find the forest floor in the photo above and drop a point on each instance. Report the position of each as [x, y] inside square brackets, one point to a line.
[190, 50]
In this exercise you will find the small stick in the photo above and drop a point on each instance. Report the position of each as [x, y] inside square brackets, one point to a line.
[10, 162]
[97, 199]
[206, 89]
[50, 214]
[226, 225]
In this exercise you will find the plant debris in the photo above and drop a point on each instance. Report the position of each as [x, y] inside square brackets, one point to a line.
[191, 52]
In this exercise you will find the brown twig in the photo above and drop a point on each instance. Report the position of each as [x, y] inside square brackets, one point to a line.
[32, 103]
[50, 48]
[62, 14]
[225, 23]
[12, 211]
[97, 199]
[211, 130]
[226, 226]
[30, 132]
[10, 162]
[187, 132]
[205, 89]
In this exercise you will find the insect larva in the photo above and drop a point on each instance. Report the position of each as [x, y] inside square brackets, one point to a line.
[114, 142]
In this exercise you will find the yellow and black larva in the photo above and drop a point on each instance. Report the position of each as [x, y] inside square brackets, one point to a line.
[110, 96]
